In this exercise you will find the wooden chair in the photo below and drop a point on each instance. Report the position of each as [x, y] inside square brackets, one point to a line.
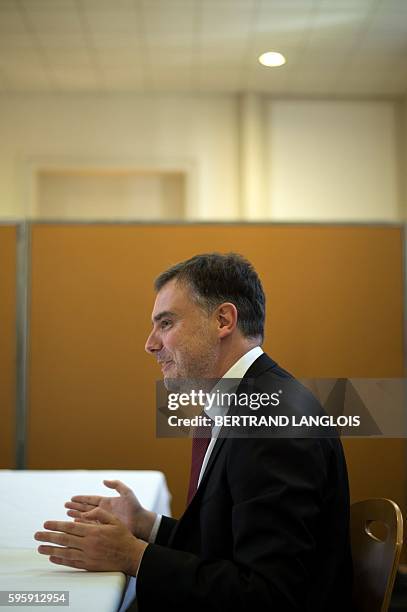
[376, 527]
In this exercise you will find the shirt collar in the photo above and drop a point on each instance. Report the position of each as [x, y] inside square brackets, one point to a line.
[236, 372]
[239, 369]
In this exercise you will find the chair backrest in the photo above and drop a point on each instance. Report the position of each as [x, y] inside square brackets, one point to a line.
[376, 527]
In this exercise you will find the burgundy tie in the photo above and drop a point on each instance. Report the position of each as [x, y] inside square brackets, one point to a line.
[199, 446]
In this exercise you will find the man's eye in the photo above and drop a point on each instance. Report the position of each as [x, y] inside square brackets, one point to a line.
[165, 323]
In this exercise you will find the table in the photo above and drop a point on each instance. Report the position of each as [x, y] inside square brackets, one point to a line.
[29, 497]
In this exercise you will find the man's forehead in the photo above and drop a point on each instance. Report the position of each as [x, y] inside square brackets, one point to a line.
[172, 297]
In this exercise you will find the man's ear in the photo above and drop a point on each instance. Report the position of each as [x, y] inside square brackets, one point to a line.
[226, 317]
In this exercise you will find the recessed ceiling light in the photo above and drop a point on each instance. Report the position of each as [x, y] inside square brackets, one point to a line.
[272, 58]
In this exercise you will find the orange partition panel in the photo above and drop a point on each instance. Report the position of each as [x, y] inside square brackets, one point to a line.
[8, 239]
[334, 310]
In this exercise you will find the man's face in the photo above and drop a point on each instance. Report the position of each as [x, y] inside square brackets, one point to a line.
[184, 337]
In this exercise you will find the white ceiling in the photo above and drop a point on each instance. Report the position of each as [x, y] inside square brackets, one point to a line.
[333, 47]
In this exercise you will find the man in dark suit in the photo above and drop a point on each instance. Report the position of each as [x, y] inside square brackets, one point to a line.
[266, 526]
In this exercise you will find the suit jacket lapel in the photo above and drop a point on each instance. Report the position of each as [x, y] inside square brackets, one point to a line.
[260, 365]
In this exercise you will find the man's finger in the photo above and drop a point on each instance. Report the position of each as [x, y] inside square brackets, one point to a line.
[61, 561]
[92, 500]
[78, 516]
[100, 515]
[75, 513]
[79, 506]
[81, 520]
[118, 485]
[67, 527]
[71, 554]
[62, 539]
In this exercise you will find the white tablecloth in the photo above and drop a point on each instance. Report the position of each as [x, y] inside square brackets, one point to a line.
[28, 498]
[23, 569]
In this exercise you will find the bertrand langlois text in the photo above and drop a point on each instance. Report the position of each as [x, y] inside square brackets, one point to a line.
[251, 420]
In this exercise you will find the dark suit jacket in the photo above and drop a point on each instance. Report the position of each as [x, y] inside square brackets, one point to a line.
[266, 530]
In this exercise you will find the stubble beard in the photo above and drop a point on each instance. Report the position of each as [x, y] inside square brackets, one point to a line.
[198, 374]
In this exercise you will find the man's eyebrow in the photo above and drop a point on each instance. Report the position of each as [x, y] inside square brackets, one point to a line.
[161, 315]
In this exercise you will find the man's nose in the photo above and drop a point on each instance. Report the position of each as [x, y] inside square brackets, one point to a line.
[153, 343]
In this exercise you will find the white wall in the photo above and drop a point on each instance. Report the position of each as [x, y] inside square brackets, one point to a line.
[321, 160]
[193, 134]
[110, 196]
[332, 160]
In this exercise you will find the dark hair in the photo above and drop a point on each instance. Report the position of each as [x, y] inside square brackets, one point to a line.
[215, 278]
